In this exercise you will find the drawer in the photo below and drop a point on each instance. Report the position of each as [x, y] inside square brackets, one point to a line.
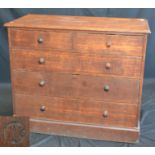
[76, 86]
[35, 83]
[70, 62]
[96, 43]
[74, 110]
[40, 39]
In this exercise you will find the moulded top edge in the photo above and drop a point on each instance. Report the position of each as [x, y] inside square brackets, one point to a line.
[106, 24]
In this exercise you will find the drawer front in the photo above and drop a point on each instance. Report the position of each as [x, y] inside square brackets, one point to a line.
[71, 62]
[109, 44]
[76, 86]
[73, 110]
[31, 83]
[40, 39]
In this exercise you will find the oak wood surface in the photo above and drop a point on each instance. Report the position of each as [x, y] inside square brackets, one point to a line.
[79, 76]
[78, 86]
[129, 135]
[108, 44]
[81, 42]
[57, 61]
[51, 39]
[14, 131]
[119, 25]
[87, 111]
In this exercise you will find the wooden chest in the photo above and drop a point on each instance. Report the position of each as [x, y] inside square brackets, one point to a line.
[79, 76]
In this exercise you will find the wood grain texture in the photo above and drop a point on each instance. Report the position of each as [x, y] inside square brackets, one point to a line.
[117, 25]
[142, 77]
[79, 76]
[50, 39]
[78, 86]
[14, 131]
[118, 44]
[57, 61]
[86, 111]
[129, 135]
[81, 42]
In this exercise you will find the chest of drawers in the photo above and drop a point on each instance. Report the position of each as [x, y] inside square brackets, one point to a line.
[78, 76]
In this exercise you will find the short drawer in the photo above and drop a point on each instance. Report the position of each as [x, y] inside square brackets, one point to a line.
[76, 86]
[74, 110]
[40, 39]
[50, 61]
[96, 43]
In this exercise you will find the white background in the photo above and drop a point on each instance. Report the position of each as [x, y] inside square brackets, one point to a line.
[77, 3]
[78, 151]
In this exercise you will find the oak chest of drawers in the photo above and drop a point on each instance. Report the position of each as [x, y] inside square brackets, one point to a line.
[79, 76]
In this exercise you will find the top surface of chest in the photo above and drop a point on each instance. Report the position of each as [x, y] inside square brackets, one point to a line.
[121, 25]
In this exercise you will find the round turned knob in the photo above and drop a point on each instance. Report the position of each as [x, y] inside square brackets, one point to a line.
[106, 88]
[42, 83]
[40, 40]
[107, 65]
[41, 60]
[42, 108]
[105, 114]
[109, 43]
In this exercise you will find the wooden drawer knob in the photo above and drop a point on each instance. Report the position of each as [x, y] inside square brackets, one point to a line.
[42, 83]
[41, 61]
[40, 40]
[108, 43]
[42, 108]
[105, 114]
[106, 88]
[107, 65]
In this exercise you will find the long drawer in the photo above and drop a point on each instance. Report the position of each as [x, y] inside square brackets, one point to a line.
[74, 110]
[49, 61]
[77, 86]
